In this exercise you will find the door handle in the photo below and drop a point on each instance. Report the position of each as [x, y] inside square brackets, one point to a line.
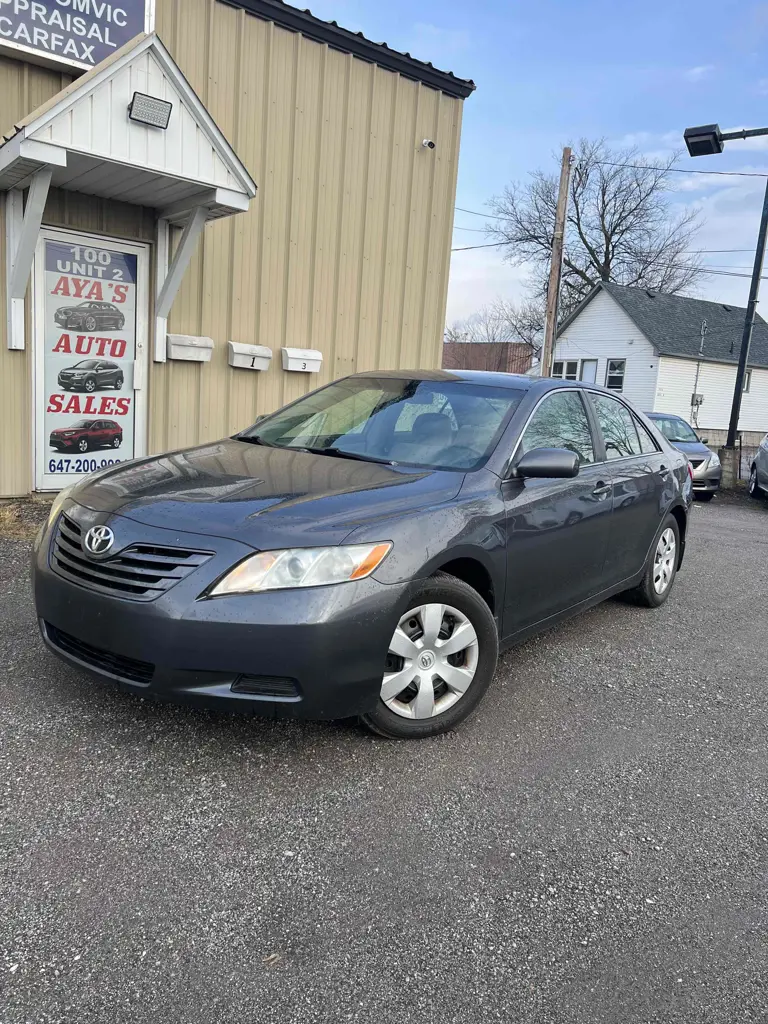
[663, 470]
[602, 490]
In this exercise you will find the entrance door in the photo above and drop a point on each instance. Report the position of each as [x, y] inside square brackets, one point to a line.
[90, 334]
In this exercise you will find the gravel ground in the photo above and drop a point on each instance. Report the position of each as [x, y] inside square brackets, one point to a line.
[591, 847]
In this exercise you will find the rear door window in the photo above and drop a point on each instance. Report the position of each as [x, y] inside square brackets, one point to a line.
[618, 427]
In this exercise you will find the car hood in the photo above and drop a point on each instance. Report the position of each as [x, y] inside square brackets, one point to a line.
[265, 497]
[692, 448]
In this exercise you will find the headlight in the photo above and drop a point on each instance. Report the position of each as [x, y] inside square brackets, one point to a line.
[302, 567]
[58, 502]
[714, 460]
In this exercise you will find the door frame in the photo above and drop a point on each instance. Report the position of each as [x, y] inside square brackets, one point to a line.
[142, 251]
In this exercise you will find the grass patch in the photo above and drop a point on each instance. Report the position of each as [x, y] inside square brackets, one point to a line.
[21, 519]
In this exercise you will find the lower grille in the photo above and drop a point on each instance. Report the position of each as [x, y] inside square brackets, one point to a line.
[129, 669]
[140, 572]
[267, 686]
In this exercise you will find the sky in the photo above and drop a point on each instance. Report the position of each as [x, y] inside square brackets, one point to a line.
[550, 72]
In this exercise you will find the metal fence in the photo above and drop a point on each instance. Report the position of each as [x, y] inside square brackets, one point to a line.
[747, 454]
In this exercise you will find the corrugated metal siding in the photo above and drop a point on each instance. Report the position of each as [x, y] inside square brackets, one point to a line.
[603, 331]
[346, 246]
[716, 383]
[22, 88]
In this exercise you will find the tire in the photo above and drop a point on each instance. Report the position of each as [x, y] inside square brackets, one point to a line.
[754, 488]
[703, 497]
[90, 323]
[462, 607]
[119, 384]
[90, 385]
[646, 593]
[66, 387]
[82, 445]
[117, 442]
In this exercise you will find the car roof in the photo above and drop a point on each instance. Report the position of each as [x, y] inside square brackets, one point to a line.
[513, 381]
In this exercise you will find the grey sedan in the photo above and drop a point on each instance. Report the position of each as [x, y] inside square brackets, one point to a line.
[704, 462]
[367, 550]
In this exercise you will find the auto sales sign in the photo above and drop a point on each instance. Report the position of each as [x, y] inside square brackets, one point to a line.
[75, 33]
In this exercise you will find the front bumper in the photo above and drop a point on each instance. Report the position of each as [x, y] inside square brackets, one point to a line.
[63, 444]
[315, 653]
[706, 479]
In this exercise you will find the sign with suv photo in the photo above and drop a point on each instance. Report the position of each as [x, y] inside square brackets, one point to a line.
[87, 326]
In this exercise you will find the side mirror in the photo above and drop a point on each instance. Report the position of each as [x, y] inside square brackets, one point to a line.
[259, 419]
[549, 463]
[704, 440]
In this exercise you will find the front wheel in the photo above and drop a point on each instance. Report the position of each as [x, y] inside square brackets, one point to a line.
[82, 445]
[440, 662]
[661, 567]
[754, 488]
[90, 385]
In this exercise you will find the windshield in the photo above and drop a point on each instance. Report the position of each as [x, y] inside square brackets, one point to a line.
[437, 424]
[675, 429]
[86, 364]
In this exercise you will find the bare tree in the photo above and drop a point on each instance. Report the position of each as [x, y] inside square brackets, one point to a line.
[524, 321]
[621, 226]
[455, 332]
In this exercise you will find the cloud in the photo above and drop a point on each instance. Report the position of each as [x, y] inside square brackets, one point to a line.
[696, 74]
[478, 277]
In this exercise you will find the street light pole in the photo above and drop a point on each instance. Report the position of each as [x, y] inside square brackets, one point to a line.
[749, 323]
[707, 140]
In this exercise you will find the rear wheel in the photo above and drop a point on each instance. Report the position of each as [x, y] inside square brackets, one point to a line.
[119, 383]
[661, 567]
[755, 490]
[117, 442]
[440, 662]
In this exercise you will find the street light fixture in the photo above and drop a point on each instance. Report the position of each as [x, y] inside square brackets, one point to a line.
[707, 140]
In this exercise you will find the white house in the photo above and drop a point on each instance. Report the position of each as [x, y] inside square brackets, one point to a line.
[648, 346]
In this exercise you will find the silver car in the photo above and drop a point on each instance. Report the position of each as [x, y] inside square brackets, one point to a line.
[758, 472]
[704, 462]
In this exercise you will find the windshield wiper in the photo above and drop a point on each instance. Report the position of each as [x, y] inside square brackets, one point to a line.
[254, 439]
[342, 454]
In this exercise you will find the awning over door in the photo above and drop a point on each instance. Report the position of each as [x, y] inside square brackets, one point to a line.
[84, 140]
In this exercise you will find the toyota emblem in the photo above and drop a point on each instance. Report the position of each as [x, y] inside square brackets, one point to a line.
[99, 540]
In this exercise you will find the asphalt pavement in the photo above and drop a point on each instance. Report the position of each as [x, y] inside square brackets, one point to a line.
[592, 846]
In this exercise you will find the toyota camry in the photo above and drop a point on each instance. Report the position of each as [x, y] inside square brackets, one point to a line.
[365, 551]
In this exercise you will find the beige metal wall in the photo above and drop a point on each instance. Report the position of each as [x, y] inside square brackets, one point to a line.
[346, 246]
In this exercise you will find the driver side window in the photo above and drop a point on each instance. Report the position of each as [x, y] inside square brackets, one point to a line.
[560, 422]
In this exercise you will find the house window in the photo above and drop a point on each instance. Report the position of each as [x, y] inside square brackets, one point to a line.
[614, 374]
[747, 380]
[566, 369]
[588, 371]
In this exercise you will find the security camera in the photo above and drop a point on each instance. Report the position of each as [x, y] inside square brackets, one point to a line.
[428, 144]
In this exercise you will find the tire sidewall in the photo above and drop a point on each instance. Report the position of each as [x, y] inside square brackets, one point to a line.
[447, 590]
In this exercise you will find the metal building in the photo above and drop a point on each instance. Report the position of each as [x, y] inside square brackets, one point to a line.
[207, 209]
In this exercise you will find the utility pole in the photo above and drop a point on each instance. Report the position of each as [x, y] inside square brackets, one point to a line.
[556, 265]
[749, 323]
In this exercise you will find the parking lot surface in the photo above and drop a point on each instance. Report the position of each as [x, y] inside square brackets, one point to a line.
[591, 846]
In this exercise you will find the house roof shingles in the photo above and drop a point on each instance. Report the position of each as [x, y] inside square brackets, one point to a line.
[672, 324]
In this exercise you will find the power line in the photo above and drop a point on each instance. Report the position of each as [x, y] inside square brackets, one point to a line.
[475, 213]
[488, 245]
[682, 170]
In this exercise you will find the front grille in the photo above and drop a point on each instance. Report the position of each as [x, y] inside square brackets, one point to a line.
[140, 572]
[696, 463]
[130, 669]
